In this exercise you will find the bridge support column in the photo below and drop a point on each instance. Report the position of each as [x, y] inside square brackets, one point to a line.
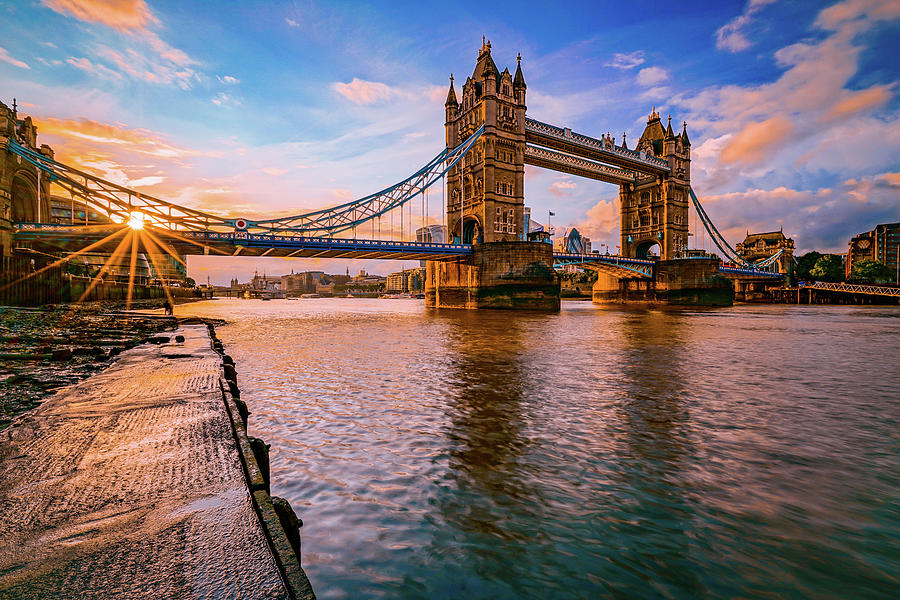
[504, 275]
[694, 282]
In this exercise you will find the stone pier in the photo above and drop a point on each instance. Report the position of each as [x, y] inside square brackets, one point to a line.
[141, 482]
[504, 275]
[695, 282]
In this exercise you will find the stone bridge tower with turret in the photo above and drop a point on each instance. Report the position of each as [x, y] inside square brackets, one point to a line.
[486, 190]
[655, 208]
[24, 189]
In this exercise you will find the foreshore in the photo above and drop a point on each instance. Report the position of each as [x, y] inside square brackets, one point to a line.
[140, 481]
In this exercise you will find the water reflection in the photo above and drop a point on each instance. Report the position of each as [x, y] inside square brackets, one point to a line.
[652, 514]
[486, 499]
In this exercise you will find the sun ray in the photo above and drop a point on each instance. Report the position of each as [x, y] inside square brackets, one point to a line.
[166, 247]
[112, 261]
[152, 253]
[87, 248]
[132, 267]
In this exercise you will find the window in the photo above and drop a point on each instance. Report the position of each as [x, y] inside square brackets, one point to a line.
[505, 221]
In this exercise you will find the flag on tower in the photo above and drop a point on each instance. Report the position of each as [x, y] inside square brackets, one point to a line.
[552, 214]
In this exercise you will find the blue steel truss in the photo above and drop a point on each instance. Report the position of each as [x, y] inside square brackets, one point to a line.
[626, 266]
[118, 202]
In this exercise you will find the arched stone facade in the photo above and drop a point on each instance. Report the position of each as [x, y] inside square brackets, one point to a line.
[24, 189]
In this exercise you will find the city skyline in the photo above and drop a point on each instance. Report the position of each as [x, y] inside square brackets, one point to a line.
[269, 110]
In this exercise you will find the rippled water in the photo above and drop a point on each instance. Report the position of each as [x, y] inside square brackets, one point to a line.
[748, 452]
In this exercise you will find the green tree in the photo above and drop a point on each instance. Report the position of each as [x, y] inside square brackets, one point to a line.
[805, 263]
[870, 271]
[829, 267]
[189, 282]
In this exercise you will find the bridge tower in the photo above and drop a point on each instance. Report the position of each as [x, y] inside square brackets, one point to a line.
[24, 189]
[486, 191]
[655, 209]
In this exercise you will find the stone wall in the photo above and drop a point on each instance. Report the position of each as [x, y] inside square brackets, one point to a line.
[695, 282]
[503, 275]
[54, 286]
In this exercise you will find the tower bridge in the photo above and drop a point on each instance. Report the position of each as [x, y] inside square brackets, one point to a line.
[486, 261]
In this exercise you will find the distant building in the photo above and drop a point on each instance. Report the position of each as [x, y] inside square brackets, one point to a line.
[573, 241]
[265, 282]
[534, 231]
[302, 283]
[432, 234]
[407, 280]
[760, 246]
[881, 244]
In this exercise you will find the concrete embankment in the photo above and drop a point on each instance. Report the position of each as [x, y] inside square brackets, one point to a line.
[141, 482]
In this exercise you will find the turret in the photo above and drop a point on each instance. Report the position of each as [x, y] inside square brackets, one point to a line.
[519, 81]
[451, 105]
[670, 141]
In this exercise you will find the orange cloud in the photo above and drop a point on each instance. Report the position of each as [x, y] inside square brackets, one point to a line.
[757, 141]
[140, 141]
[122, 15]
[602, 221]
[861, 101]
[360, 91]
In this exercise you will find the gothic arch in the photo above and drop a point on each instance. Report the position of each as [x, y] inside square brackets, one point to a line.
[643, 248]
[472, 232]
[24, 198]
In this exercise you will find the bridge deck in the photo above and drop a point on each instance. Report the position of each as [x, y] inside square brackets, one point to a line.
[68, 237]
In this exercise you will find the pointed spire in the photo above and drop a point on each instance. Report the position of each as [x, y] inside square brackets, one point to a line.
[451, 95]
[670, 135]
[654, 116]
[519, 79]
[624, 143]
[684, 137]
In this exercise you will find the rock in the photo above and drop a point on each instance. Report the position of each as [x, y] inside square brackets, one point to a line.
[290, 522]
[61, 354]
[230, 373]
[179, 338]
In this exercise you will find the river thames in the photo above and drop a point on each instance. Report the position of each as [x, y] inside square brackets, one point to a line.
[751, 451]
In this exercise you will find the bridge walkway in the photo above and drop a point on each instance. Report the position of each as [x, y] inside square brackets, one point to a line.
[130, 485]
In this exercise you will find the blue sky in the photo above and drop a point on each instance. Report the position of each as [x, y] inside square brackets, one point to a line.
[271, 108]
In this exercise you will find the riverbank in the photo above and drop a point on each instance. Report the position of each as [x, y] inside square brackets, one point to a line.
[44, 349]
[141, 481]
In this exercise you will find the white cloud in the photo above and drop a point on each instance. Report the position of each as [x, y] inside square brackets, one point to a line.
[731, 36]
[223, 99]
[5, 57]
[626, 60]
[291, 22]
[228, 80]
[651, 76]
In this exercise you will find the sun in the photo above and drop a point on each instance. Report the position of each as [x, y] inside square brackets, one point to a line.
[136, 221]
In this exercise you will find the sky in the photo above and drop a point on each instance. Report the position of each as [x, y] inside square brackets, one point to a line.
[273, 108]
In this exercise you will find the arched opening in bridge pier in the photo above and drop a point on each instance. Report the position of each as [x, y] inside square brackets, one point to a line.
[647, 249]
[471, 232]
[24, 199]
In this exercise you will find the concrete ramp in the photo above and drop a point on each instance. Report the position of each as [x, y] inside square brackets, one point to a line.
[130, 485]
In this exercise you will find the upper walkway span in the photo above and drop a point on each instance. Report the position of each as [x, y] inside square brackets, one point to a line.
[566, 140]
